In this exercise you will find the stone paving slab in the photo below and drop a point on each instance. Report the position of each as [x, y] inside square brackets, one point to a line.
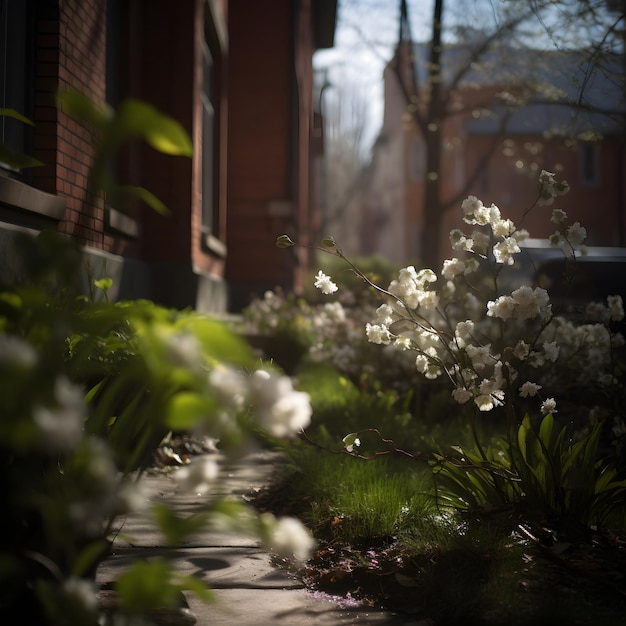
[248, 589]
[218, 567]
[294, 607]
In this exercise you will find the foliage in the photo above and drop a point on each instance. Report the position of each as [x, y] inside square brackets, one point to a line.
[545, 475]
[505, 351]
[113, 129]
[88, 391]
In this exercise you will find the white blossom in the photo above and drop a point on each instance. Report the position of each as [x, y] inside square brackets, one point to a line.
[230, 386]
[288, 537]
[548, 406]
[504, 308]
[324, 283]
[462, 395]
[616, 308]
[183, 350]
[61, 426]
[16, 352]
[279, 409]
[377, 333]
[198, 476]
[576, 234]
[452, 268]
[521, 350]
[504, 250]
[529, 389]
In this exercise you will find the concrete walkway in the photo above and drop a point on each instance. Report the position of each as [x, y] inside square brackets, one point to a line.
[249, 590]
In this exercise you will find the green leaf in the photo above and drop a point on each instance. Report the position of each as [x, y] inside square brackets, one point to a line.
[545, 430]
[147, 585]
[4, 112]
[103, 283]
[349, 440]
[160, 131]
[284, 241]
[217, 341]
[122, 193]
[17, 160]
[186, 409]
[79, 106]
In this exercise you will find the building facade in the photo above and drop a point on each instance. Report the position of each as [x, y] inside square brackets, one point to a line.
[236, 74]
[513, 113]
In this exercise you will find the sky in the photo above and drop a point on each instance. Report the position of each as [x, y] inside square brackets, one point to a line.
[365, 37]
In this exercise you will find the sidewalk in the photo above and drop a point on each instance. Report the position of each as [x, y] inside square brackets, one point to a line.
[249, 591]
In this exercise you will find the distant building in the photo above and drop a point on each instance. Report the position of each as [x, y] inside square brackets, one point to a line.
[510, 113]
[236, 74]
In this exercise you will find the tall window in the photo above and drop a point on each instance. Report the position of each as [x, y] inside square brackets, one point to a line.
[208, 140]
[15, 72]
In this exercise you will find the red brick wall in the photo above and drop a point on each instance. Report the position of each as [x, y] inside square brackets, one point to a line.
[262, 139]
[81, 66]
[165, 70]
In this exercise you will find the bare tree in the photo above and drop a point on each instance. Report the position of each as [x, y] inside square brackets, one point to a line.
[436, 96]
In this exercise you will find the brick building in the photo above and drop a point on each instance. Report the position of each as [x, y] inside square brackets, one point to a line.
[237, 75]
[494, 148]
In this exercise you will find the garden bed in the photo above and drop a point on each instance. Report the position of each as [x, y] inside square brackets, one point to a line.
[487, 571]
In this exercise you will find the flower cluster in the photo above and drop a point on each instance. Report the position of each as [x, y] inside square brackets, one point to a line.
[497, 347]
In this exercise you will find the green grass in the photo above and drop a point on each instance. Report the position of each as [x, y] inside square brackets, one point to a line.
[342, 497]
[383, 539]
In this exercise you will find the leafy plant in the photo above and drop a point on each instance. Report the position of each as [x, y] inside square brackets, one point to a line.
[134, 119]
[544, 473]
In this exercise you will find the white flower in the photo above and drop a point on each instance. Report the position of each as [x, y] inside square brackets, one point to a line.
[490, 395]
[558, 216]
[279, 409]
[462, 395]
[503, 228]
[81, 591]
[229, 384]
[198, 476]
[616, 308]
[521, 350]
[548, 406]
[426, 364]
[480, 242]
[183, 350]
[377, 333]
[288, 537]
[576, 234]
[324, 283]
[61, 426]
[452, 267]
[16, 352]
[463, 332]
[459, 241]
[504, 308]
[504, 250]
[549, 188]
[480, 356]
[529, 389]
[384, 315]
[470, 206]
[531, 302]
